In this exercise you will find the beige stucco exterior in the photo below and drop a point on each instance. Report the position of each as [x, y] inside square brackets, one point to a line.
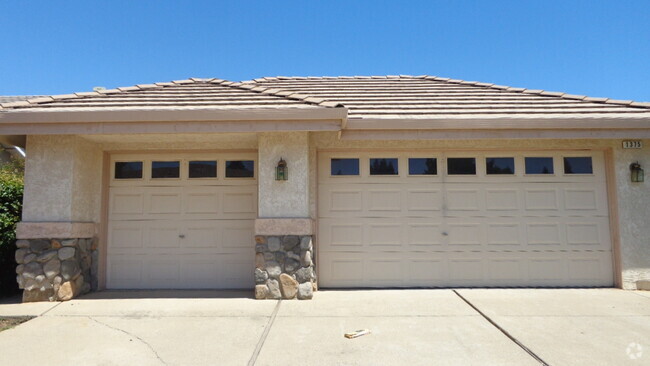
[62, 179]
[288, 198]
[64, 175]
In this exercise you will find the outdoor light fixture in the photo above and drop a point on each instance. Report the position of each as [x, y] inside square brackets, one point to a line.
[636, 172]
[281, 171]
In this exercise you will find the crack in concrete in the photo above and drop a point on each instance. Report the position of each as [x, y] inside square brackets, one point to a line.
[265, 333]
[131, 335]
[505, 332]
[50, 309]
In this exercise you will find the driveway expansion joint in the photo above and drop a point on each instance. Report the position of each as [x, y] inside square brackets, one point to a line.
[265, 333]
[505, 332]
[50, 309]
[131, 335]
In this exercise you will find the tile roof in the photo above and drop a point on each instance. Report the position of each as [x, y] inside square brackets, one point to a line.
[366, 97]
[177, 95]
[426, 97]
[16, 98]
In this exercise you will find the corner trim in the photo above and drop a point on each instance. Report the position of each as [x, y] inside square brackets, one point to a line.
[58, 230]
[284, 226]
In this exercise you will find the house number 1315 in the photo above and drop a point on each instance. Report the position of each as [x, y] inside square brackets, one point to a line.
[632, 144]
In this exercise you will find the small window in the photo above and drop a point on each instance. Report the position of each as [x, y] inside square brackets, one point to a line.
[240, 169]
[202, 169]
[539, 165]
[165, 169]
[461, 166]
[128, 170]
[384, 167]
[578, 165]
[423, 166]
[500, 165]
[344, 167]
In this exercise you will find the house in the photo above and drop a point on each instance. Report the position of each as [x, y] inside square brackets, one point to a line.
[284, 183]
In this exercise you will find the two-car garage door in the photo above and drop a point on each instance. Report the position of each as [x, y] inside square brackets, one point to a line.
[181, 221]
[463, 219]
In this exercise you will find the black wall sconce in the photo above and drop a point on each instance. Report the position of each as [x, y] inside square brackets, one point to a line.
[636, 173]
[281, 170]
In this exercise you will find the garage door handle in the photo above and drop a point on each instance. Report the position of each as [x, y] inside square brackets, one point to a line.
[444, 233]
[181, 236]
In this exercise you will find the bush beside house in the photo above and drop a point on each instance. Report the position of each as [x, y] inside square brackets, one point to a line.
[11, 199]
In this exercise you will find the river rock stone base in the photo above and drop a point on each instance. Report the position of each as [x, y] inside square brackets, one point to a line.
[284, 267]
[56, 269]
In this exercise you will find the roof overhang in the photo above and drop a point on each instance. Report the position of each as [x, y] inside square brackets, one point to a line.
[25, 122]
[502, 127]
[503, 123]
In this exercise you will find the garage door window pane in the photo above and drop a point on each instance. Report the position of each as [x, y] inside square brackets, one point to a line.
[203, 169]
[165, 169]
[128, 170]
[423, 166]
[539, 165]
[240, 169]
[461, 166]
[500, 165]
[344, 166]
[578, 165]
[384, 167]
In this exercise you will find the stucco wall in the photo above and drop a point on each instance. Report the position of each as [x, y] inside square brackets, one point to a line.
[634, 214]
[288, 198]
[62, 179]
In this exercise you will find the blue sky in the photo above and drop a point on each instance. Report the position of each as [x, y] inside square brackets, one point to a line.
[597, 48]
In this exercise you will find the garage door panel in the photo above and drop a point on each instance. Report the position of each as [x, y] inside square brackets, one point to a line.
[162, 234]
[236, 235]
[482, 230]
[421, 236]
[239, 204]
[124, 272]
[427, 200]
[202, 201]
[124, 235]
[163, 201]
[385, 235]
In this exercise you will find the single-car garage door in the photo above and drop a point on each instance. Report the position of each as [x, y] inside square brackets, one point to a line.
[181, 220]
[463, 219]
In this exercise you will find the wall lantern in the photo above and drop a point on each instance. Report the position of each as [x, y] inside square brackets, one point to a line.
[281, 171]
[636, 172]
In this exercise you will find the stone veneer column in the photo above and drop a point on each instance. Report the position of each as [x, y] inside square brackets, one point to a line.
[56, 261]
[284, 267]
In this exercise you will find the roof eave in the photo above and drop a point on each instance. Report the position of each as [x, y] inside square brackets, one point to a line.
[19, 122]
[640, 121]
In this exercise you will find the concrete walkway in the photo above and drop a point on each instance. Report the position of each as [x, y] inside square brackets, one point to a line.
[414, 327]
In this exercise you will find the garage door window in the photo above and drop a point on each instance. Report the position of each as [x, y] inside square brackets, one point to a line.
[500, 166]
[384, 166]
[202, 169]
[344, 167]
[240, 169]
[461, 166]
[578, 165]
[539, 165]
[165, 169]
[128, 170]
[423, 166]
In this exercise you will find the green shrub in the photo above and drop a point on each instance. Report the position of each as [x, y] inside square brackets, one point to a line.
[11, 199]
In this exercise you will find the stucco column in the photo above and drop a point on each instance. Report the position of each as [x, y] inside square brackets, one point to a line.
[284, 258]
[634, 211]
[57, 249]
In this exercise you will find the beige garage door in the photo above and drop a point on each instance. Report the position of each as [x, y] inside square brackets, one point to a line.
[181, 221]
[463, 219]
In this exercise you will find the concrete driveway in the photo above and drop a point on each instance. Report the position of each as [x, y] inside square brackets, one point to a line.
[415, 327]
